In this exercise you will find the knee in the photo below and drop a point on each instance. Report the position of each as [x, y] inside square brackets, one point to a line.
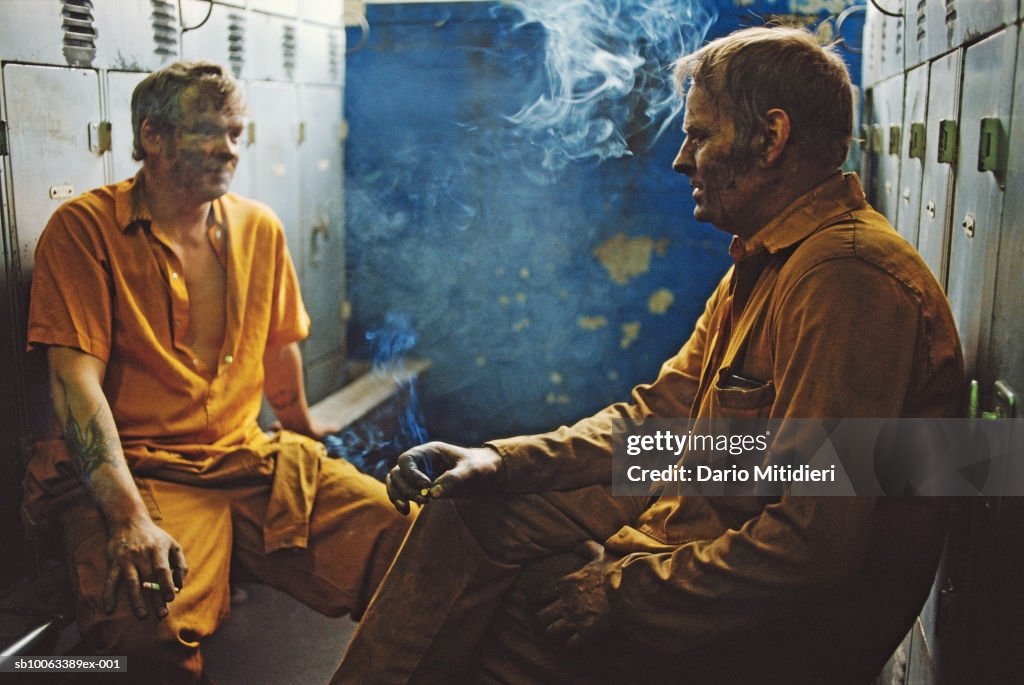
[159, 650]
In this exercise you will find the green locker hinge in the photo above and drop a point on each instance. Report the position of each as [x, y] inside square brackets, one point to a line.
[947, 141]
[3, 139]
[895, 140]
[990, 146]
[917, 140]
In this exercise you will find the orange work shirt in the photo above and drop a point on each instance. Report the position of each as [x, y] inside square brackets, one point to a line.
[107, 282]
[838, 317]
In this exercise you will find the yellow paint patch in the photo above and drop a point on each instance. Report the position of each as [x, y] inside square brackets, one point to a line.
[625, 258]
[630, 332]
[521, 325]
[524, 273]
[521, 298]
[556, 377]
[660, 301]
[591, 323]
[552, 398]
[481, 360]
[504, 300]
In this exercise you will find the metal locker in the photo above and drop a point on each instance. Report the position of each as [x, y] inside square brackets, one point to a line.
[286, 8]
[884, 121]
[59, 32]
[980, 180]
[941, 136]
[323, 281]
[966, 20]
[279, 47]
[136, 35]
[882, 43]
[56, 140]
[1006, 346]
[216, 32]
[275, 157]
[120, 85]
[913, 151]
[321, 58]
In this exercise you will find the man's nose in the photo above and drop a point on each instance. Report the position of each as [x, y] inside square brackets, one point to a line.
[683, 163]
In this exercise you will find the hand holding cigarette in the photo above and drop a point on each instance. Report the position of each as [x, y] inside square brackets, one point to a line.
[462, 472]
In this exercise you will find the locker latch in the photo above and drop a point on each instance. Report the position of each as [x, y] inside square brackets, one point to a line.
[947, 141]
[917, 141]
[1006, 402]
[895, 140]
[3, 139]
[990, 146]
[99, 136]
[876, 139]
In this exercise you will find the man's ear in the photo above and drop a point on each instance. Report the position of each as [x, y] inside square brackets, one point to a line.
[152, 140]
[776, 136]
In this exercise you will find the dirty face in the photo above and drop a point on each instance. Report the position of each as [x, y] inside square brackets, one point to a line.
[726, 182]
[201, 155]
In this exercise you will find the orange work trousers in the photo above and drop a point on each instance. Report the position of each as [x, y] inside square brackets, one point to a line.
[354, 533]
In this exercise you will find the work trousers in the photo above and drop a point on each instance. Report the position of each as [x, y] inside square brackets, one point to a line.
[461, 596]
[353, 536]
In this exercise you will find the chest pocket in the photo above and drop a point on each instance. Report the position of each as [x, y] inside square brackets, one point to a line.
[738, 396]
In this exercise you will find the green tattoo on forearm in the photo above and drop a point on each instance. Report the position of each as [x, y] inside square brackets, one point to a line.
[90, 446]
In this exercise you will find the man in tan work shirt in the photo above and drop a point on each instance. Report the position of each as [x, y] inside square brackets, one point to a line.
[523, 567]
[168, 307]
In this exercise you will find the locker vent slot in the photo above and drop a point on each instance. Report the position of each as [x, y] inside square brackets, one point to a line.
[922, 20]
[950, 16]
[236, 43]
[333, 61]
[288, 49]
[79, 32]
[165, 29]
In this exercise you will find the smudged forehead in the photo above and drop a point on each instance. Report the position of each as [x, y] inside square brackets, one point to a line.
[210, 97]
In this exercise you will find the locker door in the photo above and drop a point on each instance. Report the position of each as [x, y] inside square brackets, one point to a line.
[323, 282]
[275, 153]
[1006, 351]
[218, 33]
[53, 117]
[978, 200]
[120, 85]
[913, 149]
[885, 126]
[937, 183]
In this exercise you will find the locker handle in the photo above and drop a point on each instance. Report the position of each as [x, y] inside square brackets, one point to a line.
[99, 136]
[895, 140]
[990, 145]
[876, 138]
[917, 140]
[947, 141]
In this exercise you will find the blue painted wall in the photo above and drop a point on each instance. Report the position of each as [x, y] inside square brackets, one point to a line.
[539, 296]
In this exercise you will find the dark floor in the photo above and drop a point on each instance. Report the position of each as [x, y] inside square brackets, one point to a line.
[271, 639]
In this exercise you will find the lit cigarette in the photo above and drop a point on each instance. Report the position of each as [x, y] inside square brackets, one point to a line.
[147, 585]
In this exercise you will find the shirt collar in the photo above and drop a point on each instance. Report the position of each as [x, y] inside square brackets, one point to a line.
[129, 209]
[839, 194]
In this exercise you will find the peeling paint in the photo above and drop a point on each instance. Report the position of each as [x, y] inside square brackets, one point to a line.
[552, 398]
[556, 378]
[630, 332]
[481, 360]
[521, 325]
[624, 258]
[521, 298]
[524, 273]
[591, 323]
[504, 300]
[660, 301]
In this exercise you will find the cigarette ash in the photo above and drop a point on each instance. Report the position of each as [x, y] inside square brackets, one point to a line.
[373, 444]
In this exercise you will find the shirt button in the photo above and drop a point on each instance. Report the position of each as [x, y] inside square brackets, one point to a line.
[228, 359]
[195, 361]
[174, 275]
[218, 234]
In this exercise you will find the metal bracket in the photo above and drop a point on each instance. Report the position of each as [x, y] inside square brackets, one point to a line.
[895, 139]
[4, 151]
[947, 141]
[1006, 401]
[99, 136]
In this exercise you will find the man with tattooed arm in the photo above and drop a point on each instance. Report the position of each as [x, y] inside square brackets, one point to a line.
[168, 307]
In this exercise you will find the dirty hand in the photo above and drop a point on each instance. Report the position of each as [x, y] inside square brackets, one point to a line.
[580, 612]
[140, 551]
[460, 472]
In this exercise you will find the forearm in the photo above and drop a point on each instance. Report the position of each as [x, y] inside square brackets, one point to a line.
[91, 436]
[285, 389]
